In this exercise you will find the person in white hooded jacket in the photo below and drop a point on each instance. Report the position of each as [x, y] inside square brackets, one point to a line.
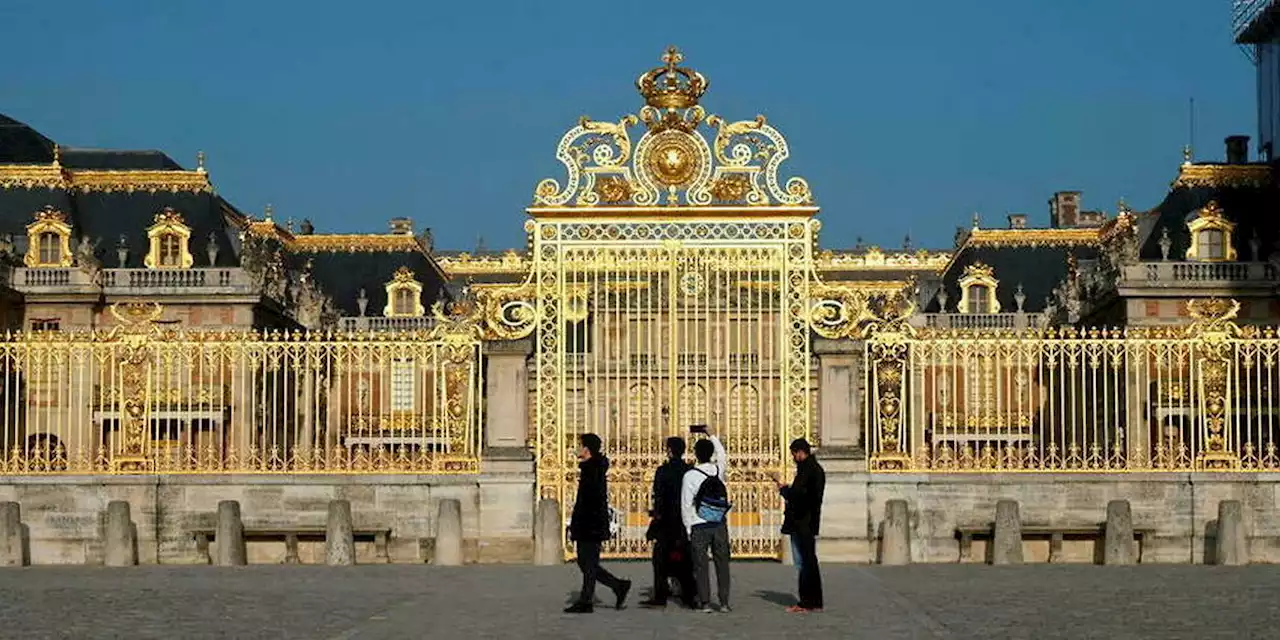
[706, 538]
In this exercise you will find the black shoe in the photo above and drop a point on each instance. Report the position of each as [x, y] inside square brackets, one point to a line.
[622, 593]
[653, 604]
[580, 607]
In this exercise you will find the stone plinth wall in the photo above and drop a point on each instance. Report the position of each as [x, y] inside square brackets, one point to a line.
[66, 515]
[1180, 509]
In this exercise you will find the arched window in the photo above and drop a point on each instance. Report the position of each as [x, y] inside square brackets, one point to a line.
[49, 240]
[978, 290]
[404, 296]
[169, 238]
[1211, 235]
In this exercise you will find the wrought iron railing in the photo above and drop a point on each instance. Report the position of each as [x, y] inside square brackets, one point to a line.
[1205, 397]
[146, 400]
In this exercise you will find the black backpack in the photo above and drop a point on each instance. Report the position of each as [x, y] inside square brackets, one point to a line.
[712, 499]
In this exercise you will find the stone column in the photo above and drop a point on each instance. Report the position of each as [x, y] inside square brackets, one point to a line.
[507, 396]
[1231, 546]
[839, 395]
[895, 539]
[548, 539]
[1118, 542]
[506, 488]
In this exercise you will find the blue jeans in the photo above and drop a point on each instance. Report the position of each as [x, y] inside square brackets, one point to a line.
[795, 553]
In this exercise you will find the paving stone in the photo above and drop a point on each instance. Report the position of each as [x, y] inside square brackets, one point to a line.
[399, 601]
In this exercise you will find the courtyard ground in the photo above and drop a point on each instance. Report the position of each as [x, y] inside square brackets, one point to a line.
[923, 601]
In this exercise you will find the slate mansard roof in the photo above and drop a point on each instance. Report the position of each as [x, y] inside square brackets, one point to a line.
[110, 197]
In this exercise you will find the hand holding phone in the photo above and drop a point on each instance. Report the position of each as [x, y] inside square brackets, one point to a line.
[697, 428]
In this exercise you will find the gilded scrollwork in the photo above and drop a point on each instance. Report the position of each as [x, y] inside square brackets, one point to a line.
[673, 164]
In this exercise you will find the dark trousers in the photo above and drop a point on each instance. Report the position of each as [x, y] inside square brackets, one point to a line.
[713, 541]
[805, 548]
[666, 567]
[589, 564]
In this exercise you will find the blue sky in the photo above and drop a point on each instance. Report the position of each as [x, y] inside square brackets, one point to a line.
[905, 117]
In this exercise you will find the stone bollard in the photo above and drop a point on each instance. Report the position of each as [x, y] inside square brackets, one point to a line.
[548, 542]
[1118, 537]
[13, 536]
[1231, 547]
[1006, 544]
[230, 535]
[895, 539]
[448, 551]
[339, 543]
[122, 537]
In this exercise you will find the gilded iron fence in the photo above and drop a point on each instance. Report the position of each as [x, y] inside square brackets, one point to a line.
[143, 399]
[1204, 397]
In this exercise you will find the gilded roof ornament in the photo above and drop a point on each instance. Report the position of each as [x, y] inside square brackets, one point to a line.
[672, 164]
[1212, 211]
[671, 86]
[50, 214]
[1237, 176]
[979, 270]
[1032, 237]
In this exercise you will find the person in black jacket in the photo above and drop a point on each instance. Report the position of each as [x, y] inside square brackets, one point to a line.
[589, 526]
[666, 530]
[801, 521]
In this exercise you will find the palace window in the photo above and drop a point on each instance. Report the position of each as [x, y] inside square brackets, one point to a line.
[979, 298]
[404, 296]
[170, 239]
[45, 324]
[1211, 235]
[978, 287]
[49, 240]
[402, 385]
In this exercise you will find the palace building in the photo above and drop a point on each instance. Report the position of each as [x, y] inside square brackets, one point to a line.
[674, 274]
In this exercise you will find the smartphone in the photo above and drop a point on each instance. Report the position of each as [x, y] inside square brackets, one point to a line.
[697, 428]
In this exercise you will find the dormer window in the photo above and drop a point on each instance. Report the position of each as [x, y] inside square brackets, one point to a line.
[170, 239]
[404, 296]
[49, 240]
[1211, 236]
[978, 290]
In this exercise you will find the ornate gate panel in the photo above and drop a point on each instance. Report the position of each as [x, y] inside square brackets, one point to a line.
[649, 326]
[672, 288]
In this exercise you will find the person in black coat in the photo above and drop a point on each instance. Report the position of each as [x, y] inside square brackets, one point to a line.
[666, 530]
[802, 519]
[589, 526]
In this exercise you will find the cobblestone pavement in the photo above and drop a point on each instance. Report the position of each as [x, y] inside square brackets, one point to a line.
[940, 601]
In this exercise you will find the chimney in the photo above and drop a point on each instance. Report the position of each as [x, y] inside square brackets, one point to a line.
[1237, 149]
[1064, 209]
[1017, 221]
[402, 226]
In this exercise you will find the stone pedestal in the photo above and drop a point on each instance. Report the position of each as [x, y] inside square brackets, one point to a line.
[548, 540]
[448, 547]
[895, 540]
[339, 541]
[1231, 547]
[13, 537]
[1006, 544]
[1118, 544]
[230, 536]
[121, 536]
